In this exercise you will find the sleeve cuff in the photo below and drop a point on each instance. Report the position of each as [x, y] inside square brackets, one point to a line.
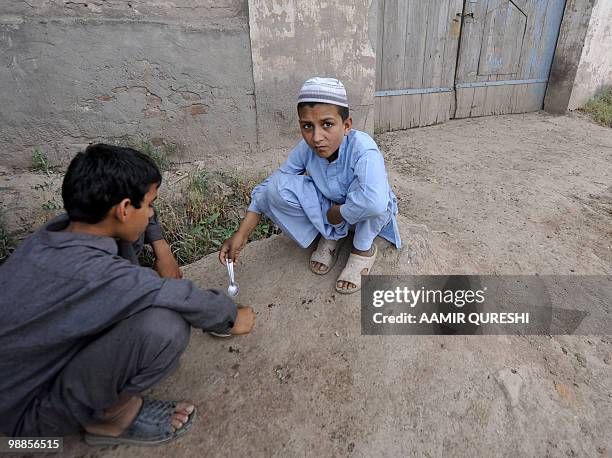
[253, 208]
[228, 324]
[153, 232]
[346, 214]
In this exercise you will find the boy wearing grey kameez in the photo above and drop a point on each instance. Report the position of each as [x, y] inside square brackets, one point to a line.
[334, 179]
[84, 331]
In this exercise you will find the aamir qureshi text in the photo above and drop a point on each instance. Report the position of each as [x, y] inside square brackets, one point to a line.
[476, 318]
[458, 298]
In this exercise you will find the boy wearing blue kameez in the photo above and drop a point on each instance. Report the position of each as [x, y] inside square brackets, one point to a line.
[334, 179]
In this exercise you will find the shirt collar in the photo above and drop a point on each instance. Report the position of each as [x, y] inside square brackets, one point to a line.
[52, 234]
[343, 145]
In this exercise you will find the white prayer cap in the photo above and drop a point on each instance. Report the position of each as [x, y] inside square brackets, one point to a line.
[323, 90]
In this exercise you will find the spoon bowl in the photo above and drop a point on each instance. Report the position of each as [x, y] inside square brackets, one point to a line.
[233, 287]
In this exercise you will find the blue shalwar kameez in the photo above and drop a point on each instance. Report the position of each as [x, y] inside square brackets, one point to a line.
[299, 193]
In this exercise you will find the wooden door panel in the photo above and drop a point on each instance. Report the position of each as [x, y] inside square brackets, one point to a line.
[505, 55]
[503, 34]
[416, 57]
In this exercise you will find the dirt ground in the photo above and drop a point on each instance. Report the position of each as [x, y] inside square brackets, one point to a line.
[520, 194]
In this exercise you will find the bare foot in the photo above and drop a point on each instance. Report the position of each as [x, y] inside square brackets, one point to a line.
[119, 417]
[368, 253]
[318, 266]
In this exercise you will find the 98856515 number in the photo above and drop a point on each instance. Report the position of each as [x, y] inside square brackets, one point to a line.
[31, 444]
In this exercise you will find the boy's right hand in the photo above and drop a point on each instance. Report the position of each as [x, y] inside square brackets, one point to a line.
[231, 247]
[245, 320]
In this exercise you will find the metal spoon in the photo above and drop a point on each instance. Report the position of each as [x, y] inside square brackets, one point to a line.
[233, 287]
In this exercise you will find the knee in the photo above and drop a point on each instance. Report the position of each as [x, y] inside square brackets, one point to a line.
[163, 327]
[278, 191]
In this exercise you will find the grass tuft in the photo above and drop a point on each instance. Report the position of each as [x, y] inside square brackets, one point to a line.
[600, 108]
[161, 154]
[40, 161]
[208, 213]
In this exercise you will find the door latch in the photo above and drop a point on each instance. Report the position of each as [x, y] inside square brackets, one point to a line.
[466, 15]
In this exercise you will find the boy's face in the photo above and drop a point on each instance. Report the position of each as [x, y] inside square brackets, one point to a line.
[136, 219]
[322, 128]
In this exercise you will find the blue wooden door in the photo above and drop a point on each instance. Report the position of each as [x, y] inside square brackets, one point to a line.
[441, 59]
[505, 54]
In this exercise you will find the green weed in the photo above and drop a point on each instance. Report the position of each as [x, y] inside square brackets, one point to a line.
[40, 162]
[52, 197]
[52, 204]
[203, 219]
[161, 154]
[199, 183]
[600, 108]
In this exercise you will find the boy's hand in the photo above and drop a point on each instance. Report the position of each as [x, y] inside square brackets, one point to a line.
[231, 247]
[333, 214]
[165, 263]
[245, 320]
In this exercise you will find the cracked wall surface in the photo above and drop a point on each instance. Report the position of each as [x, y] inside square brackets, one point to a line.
[292, 41]
[594, 72]
[177, 11]
[76, 72]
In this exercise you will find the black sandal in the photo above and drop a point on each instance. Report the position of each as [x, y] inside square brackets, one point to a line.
[152, 426]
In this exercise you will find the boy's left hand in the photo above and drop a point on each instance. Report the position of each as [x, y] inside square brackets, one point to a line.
[165, 263]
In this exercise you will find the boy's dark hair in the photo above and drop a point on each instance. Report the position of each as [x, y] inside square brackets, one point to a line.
[342, 111]
[103, 176]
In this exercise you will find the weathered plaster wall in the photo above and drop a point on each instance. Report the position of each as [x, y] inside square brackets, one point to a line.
[292, 41]
[582, 65]
[595, 69]
[75, 72]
